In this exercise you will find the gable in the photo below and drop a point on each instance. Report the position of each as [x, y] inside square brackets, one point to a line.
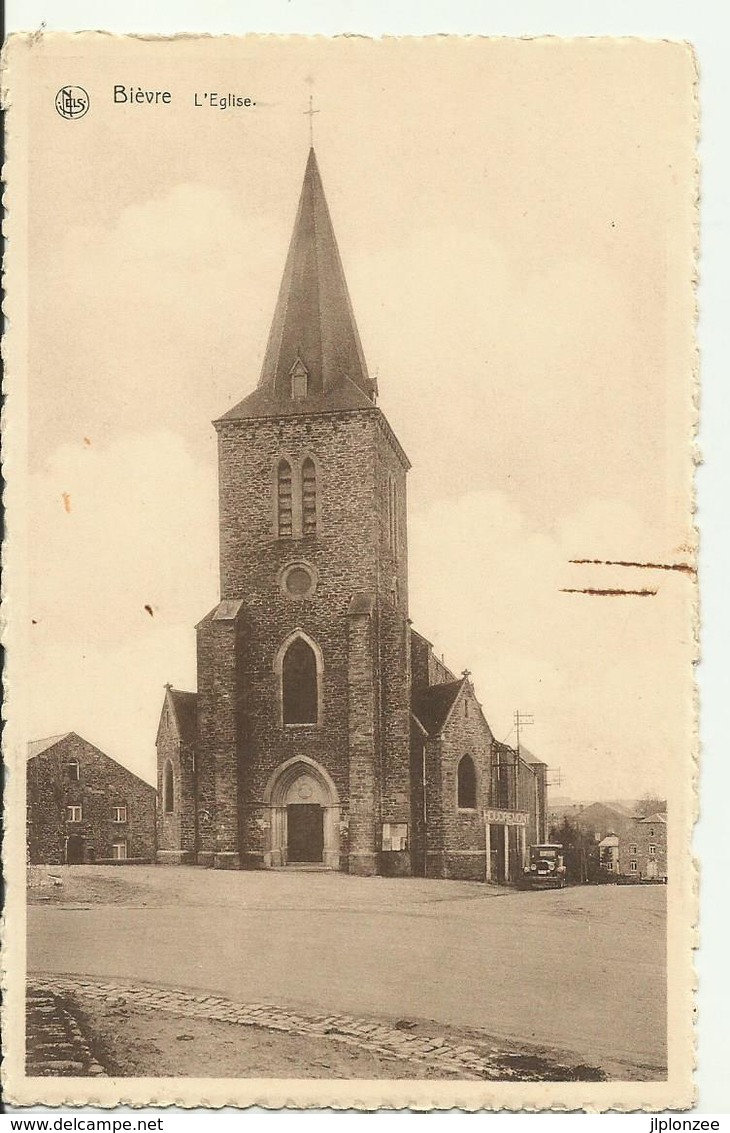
[180, 713]
[71, 747]
[432, 706]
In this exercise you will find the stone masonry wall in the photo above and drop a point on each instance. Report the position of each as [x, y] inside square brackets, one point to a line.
[644, 834]
[458, 847]
[395, 688]
[102, 784]
[364, 807]
[345, 557]
[221, 732]
[426, 669]
[175, 830]
[418, 800]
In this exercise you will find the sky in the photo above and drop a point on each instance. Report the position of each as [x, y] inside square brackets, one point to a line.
[515, 221]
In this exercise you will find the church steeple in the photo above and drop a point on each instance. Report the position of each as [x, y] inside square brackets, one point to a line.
[314, 359]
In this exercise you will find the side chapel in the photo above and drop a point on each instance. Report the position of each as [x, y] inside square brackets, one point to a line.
[324, 731]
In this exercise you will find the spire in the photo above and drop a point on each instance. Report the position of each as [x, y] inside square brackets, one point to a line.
[314, 359]
[314, 325]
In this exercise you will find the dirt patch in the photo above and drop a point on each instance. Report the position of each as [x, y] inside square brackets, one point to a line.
[541, 1068]
[64, 886]
[139, 1043]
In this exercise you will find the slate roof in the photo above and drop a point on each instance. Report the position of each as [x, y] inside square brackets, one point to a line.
[313, 323]
[265, 402]
[527, 757]
[227, 610]
[186, 711]
[620, 808]
[35, 747]
[431, 706]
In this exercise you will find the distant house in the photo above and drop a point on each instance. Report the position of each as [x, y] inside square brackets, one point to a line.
[608, 853]
[83, 806]
[629, 845]
[645, 855]
[601, 819]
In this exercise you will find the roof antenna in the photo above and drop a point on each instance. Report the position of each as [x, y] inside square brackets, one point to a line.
[310, 114]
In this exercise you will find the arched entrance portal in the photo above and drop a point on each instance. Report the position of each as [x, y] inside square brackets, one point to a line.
[305, 816]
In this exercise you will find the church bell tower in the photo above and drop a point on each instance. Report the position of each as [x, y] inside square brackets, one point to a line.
[304, 665]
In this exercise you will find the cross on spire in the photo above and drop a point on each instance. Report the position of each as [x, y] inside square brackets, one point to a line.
[310, 114]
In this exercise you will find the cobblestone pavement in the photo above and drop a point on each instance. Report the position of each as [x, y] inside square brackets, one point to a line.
[405, 1040]
[55, 1044]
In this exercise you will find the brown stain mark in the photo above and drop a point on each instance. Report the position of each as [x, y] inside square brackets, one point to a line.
[608, 593]
[685, 568]
[150, 611]
[87, 441]
[66, 501]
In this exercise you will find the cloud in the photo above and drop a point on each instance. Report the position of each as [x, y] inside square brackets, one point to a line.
[161, 316]
[602, 676]
[123, 563]
[543, 379]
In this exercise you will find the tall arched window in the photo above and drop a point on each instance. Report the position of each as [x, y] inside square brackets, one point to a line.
[299, 692]
[466, 784]
[309, 497]
[284, 499]
[168, 788]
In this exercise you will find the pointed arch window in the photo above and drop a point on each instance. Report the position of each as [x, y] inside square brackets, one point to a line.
[299, 684]
[309, 497]
[284, 499]
[168, 788]
[466, 784]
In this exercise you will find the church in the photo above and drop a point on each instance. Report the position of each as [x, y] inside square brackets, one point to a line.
[325, 733]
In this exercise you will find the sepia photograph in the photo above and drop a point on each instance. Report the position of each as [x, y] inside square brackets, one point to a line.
[350, 449]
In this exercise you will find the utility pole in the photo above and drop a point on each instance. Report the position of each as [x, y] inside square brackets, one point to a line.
[521, 720]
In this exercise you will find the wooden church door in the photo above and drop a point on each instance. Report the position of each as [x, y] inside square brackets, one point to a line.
[305, 828]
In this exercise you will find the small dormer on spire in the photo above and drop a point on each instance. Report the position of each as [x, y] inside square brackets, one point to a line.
[299, 375]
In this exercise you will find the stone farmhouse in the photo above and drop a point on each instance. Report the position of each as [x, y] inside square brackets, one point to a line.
[324, 731]
[83, 806]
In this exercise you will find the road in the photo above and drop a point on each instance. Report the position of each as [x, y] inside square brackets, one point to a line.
[580, 970]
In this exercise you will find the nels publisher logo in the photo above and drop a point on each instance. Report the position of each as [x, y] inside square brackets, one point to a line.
[72, 102]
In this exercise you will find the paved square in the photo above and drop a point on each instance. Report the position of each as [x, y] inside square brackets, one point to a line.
[579, 972]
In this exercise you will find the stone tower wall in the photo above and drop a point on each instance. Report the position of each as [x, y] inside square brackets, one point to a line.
[365, 660]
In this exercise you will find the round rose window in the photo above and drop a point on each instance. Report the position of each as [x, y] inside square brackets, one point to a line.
[298, 581]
